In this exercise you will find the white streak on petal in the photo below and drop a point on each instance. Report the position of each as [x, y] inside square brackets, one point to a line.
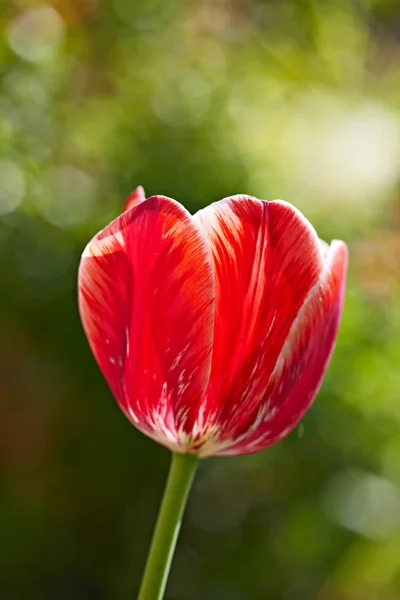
[104, 246]
[287, 346]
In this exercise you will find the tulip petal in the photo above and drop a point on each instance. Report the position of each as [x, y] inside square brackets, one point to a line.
[301, 365]
[135, 198]
[267, 257]
[146, 287]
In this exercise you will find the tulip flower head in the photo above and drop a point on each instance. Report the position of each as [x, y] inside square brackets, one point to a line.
[213, 331]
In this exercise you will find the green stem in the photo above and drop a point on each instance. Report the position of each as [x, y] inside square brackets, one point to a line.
[180, 479]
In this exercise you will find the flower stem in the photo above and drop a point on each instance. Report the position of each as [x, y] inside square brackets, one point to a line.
[180, 479]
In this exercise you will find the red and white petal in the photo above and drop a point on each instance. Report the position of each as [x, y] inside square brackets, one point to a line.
[266, 258]
[105, 297]
[135, 198]
[146, 292]
[325, 247]
[301, 364]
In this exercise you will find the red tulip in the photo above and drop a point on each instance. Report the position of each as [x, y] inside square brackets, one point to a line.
[213, 331]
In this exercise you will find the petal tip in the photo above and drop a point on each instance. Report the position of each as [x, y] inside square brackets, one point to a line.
[136, 197]
[339, 252]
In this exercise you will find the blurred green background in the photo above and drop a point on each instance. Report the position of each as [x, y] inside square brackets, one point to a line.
[196, 100]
